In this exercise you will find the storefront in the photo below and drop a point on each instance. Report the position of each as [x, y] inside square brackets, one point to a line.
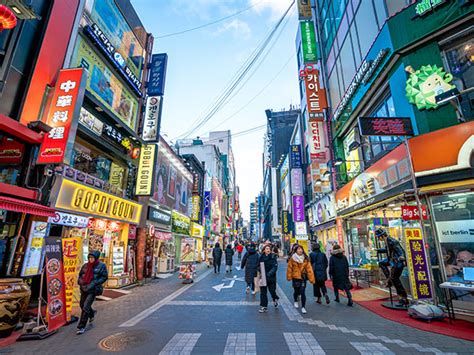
[323, 221]
[197, 232]
[162, 242]
[180, 228]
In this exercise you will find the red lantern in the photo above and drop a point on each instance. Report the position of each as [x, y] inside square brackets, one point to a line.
[7, 18]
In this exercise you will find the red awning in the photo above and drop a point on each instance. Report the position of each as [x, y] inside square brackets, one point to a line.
[16, 129]
[13, 204]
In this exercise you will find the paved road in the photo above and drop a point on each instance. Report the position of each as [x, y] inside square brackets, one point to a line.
[170, 318]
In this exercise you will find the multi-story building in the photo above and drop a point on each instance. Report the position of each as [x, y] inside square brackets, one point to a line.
[253, 219]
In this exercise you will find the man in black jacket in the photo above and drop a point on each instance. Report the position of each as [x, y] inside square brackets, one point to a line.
[319, 262]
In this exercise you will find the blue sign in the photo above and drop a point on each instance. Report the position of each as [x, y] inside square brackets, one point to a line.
[207, 203]
[295, 156]
[156, 85]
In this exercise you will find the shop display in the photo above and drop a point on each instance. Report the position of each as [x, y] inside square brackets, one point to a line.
[186, 272]
[14, 299]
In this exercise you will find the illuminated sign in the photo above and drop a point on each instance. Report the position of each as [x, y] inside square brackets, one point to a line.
[298, 208]
[417, 262]
[146, 166]
[151, 124]
[295, 156]
[301, 231]
[385, 126]
[159, 215]
[308, 41]
[424, 6]
[197, 230]
[63, 115]
[156, 84]
[180, 223]
[196, 207]
[316, 100]
[79, 198]
[70, 220]
[317, 146]
[296, 181]
[286, 222]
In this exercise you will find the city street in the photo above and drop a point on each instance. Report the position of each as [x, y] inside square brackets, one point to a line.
[167, 317]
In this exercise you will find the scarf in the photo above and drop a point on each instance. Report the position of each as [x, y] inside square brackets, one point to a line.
[298, 258]
[89, 275]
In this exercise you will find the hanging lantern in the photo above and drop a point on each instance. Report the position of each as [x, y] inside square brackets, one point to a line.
[7, 18]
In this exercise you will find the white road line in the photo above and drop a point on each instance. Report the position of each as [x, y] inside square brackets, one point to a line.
[302, 344]
[212, 303]
[371, 348]
[181, 343]
[150, 310]
[241, 343]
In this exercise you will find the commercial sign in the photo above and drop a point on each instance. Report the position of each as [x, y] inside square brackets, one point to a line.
[296, 182]
[72, 259]
[325, 209]
[286, 227]
[196, 204]
[79, 198]
[91, 122]
[425, 6]
[304, 10]
[411, 213]
[11, 151]
[180, 223]
[301, 232]
[207, 204]
[385, 126]
[340, 232]
[34, 257]
[146, 167]
[352, 157]
[295, 156]
[70, 220]
[197, 231]
[159, 215]
[216, 205]
[156, 84]
[417, 264]
[151, 123]
[298, 208]
[316, 100]
[308, 42]
[63, 116]
[317, 175]
[461, 231]
[316, 141]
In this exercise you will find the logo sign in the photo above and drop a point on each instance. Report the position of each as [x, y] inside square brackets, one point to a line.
[295, 156]
[151, 124]
[308, 39]
[11, 151]
[296, 181]
[116, 137]
[410, 213]
[316, 100]
[63, 117]
[425, 6]
[180, 223]
[207, 204]
[304, 10]
[298, 208]
[156, 85]
[417, 264]
[91, 122]
[317, 146]
[70, 220]
[300, 231]
[461, 231]
[159, 215]
[385, 126]
[76, 197]
[145, 170]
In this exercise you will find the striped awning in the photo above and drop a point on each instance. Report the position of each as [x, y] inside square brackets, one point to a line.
[22, 206]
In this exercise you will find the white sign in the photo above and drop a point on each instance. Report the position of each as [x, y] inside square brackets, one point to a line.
[300, 229]
[325, 209]
[151, 123]
[456, 231]
[296, 181]
[316, 140]
[70, 220]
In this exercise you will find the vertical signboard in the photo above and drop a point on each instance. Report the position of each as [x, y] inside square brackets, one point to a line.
[151, 123]
[207, 204]
[63, 117]
[156, 84]
[296, 182]
[295, 156]
[316, 100]
[308, 40]
[145, 170]
[304, 10]
[72, 260]
[298, 208]
[33, 262]
[317, 143]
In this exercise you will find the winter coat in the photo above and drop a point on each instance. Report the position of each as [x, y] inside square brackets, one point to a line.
[250, 263]
[229, 253]
[297, 270]
[339, 271]
[319, 262]
[100, 277]
[217, 255]
[271, 266]
[239, 248]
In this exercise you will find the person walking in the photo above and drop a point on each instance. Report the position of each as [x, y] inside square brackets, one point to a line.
[299, 272]
[319, 262]
[217, 257]
[229, 253]
[240, 249]
[268, 270]
[251, 263]
[339, 272]
[92, 276]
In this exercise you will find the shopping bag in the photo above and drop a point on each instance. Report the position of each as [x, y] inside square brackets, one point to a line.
[256, 282]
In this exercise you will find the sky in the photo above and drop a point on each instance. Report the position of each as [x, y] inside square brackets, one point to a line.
[201, 63]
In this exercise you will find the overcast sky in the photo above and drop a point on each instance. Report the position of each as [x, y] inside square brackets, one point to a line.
[201, 64]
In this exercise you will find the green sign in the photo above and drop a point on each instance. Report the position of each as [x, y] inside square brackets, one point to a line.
[425, 84]
[308, 40]
[180, 224]
[427, 5]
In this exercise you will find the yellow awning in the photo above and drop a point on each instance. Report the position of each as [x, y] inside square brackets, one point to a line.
[448, 186]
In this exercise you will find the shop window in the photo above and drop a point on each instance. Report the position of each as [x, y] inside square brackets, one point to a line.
[347, 61]
[366, 25]
[334, 89]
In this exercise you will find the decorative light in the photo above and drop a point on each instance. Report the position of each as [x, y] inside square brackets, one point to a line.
[7, 18]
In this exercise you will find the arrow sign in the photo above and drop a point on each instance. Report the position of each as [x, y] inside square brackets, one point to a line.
[219, 287]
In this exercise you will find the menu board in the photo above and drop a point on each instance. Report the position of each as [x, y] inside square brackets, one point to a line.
[118, 260]
[35, 250]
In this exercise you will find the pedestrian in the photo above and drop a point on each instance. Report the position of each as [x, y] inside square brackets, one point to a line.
[268, 270]
[240, 249]
[217, 257]
[319, 262]
[251, 263]
[92, 276]
[229, 253]
[299, 272]
[339, 272]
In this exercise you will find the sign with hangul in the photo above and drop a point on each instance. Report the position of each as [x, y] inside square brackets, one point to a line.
[296, 181]
[295, 156]
[115, 136]
[308, 42]
[316, 141]
[62, 117]
[196, 208]
[316, 100]
[70, 220]
[151, 123]
[156, 84]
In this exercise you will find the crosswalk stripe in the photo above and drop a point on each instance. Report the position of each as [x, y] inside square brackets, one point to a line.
[371, 348]
[241, 343]
[302, 344]
[181, 343]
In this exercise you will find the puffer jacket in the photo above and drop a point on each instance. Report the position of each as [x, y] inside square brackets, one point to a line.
[99, 278]
[296, 270]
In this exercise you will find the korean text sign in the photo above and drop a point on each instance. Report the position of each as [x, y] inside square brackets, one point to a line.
[308, 39]
[417, 264]
[156, 85]
[316, 100]
[298, 208]
[63, 117]
[317, 144]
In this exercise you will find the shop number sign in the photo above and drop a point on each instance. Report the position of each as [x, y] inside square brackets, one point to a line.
[411, 213]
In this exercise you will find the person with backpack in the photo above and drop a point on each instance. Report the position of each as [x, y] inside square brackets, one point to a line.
[339, 272]
[250, 263]
[217, 258]
[268, 278]
[319, 262]
[299, 272]
[229, 253]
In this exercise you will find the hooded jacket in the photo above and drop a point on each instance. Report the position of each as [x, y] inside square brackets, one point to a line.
[99, 278]
[339, 270]
[250, 263]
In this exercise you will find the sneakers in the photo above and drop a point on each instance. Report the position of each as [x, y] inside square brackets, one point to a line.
[275, 303]
[303, 310]
[80, 331]
[247, 290]
[263, 310]
[254, 292]
[296, 304]
[327, 299]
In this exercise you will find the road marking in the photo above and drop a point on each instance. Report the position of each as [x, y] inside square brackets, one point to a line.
[181, 343]
[371, 348]
[241, 343]
[212, 303]
[302, 344]
[221, 286]
[150, 310]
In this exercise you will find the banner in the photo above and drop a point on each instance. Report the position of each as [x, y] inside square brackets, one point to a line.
[156, 84]
[146, 166]
[298, 208]
[296, 182]
[417, 264]
[316, 100]
[295, 156]
[72, 260]
[56, 313]
[207, 204]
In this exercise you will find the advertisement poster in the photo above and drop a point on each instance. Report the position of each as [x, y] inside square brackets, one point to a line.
[72, 260]
[180, 224]
[325, 209]
[417, 264]
[56, 313]
[188, 250]
[34, 251]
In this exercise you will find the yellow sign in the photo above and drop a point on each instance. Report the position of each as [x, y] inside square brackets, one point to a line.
[197, 231]
[196, 208]
[79, 198]
[304, 10]
[145, 170]
[72, 255]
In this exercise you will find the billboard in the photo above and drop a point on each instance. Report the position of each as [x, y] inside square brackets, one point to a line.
[146, 166]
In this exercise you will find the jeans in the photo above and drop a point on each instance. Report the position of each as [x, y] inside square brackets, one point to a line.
[251, 285]
[393, 276]
[300, 291]
[239, 256]
[318, 288]
[271, 287]
[86, 306]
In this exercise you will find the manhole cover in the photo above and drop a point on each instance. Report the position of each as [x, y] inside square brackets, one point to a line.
[124, 340]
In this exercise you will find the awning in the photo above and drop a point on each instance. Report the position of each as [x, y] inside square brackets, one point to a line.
[16, 205]
[16, 129]
[448, 186]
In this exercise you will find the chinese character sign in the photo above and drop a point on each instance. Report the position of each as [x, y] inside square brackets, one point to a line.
[316, 100]
[385, 126]
[72, 259]
[63, 117]
[417, 264]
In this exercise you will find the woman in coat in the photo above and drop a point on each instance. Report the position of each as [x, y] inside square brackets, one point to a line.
[251, 264]
[319, 262]
[339, 272]
[217, 257]
[299, 272]
[229, 253]
[268, 278]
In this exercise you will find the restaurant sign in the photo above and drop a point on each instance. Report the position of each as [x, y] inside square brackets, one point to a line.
[316, 100]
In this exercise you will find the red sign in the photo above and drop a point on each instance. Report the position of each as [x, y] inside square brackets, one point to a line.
[385, 126]
[317, 146]
[315, 95]
[340, 232]
[410, 213]
[63, 117]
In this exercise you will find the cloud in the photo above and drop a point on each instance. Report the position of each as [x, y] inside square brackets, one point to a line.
[240, 29]
[276, 7]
